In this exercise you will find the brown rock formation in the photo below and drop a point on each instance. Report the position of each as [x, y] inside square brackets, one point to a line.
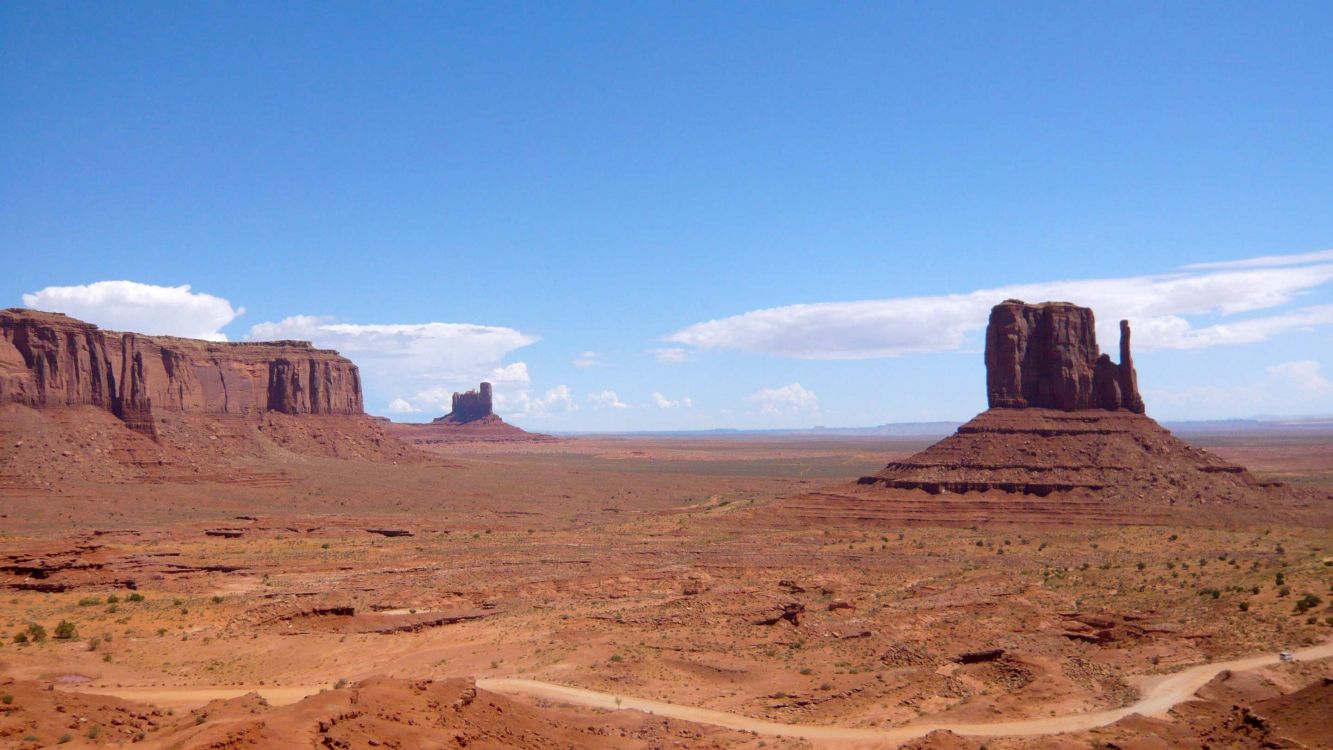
[472, 419]
[49, 359]
[470, 406]
[1046, 356]
[1065, 441]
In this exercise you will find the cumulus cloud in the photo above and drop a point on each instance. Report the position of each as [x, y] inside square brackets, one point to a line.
[143, 308]
[401, 406]
[1165, 310]
[672, 355]
[607, 399]
[662, 402]
[589, 359]
[787, 399]
[524, 403]
[514, 373]
[1303, 375]
[1285, 388]
[421, 364]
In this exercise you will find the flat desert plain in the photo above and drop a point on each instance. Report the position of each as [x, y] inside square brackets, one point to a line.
[642, 591]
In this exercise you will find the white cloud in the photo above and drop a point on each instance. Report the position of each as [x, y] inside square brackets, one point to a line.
[524, 403]
[673, 355]
[515, 373]
[400, 406]
[1303, 375]
[1270, 261]
[420, 363]
[589, 359]
[1284, 389]
[142, 308]
[787, 399]
[662, 402]
[607, 399]
[1158, 306]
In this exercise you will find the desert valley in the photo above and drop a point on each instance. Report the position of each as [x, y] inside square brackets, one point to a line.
[211, 545]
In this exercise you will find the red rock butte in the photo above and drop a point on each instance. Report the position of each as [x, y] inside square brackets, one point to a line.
[50, 360]
[1065, 440]
[472, 418]
[160, 405]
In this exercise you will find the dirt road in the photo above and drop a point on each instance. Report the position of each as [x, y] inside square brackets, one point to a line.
[1159, 695]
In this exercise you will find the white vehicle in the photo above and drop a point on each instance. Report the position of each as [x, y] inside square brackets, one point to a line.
[1286, 656]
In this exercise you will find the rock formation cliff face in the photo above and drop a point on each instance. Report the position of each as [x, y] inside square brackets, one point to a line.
[49, 360]
[470, 406]
[1065, 441]
[1046, 356]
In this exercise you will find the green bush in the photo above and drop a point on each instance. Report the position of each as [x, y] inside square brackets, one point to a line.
[66, 631]
[36, 632]
[135, 597]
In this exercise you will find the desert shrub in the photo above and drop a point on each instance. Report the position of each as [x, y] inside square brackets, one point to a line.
[112, 599]
[617, 658]
[89, 601]
[1279, 579]
[20, 637]
[1210, 592]
[1244, 606]
[1307, 602]
[1284, 591]
[7, 699]
[66, 630]
[217, 600]
[94, 731]
[64, 738]
[36, 632]
[340, 684]
[135, 597]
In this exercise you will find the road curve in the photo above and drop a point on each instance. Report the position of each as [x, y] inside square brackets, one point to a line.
[1158, 697]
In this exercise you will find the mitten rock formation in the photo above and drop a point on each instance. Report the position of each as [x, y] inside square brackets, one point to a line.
[1065, 441]
[1046, 356]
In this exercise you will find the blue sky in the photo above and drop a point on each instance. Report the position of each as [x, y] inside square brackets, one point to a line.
[610, 209]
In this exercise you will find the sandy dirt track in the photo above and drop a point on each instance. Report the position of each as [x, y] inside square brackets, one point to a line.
[1159, 695]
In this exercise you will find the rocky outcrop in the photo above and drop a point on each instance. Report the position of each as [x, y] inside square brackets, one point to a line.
[51, 360]
[1065, 441]
[1046, 356]
[471, 420]
[470, 407]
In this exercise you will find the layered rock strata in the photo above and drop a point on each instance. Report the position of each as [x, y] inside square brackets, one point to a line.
[51, 360]
[1065, 441]
[1046, 356]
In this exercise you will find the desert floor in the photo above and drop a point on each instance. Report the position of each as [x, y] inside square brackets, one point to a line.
[643, 569]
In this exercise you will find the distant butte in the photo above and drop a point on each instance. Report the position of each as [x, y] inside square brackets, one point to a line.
[52, 360]
[1065, 440]
[472, 418]
[129, 407]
